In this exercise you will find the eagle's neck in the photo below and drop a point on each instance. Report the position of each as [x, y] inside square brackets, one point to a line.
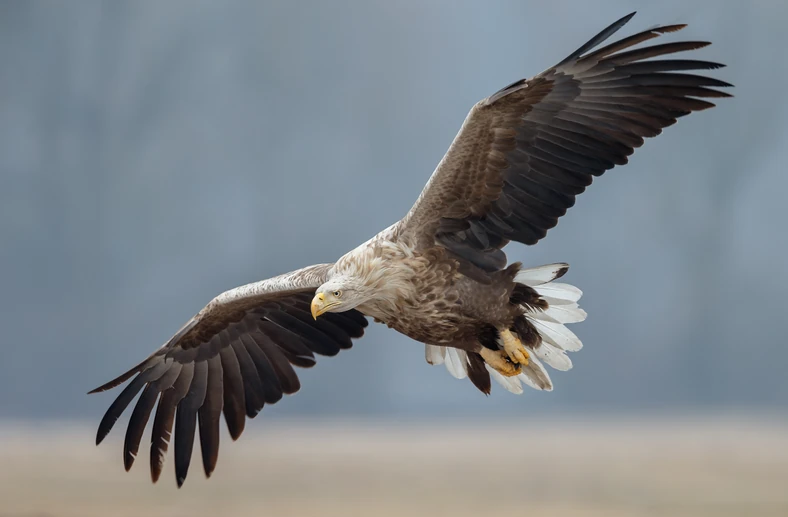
[385, 270]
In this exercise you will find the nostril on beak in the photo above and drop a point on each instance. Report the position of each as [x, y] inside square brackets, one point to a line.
[321, 297]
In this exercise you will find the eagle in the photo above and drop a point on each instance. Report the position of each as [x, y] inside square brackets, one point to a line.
[439, 275]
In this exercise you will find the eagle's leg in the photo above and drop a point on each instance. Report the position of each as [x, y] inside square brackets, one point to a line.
[499, 360]
[514, 347]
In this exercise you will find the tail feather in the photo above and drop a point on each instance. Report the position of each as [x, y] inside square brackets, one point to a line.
[435, 354]
[562, 314]
[511, 384]
[537, 276]
[554, 357]
[478, 374]
[542, 327]
[557, 334]
[558, 293]
[535, 375]
[456, 362]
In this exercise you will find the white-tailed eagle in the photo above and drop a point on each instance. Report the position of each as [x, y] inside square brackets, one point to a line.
[439, 275]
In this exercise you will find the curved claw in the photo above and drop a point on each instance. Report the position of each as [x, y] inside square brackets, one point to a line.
[499, 360]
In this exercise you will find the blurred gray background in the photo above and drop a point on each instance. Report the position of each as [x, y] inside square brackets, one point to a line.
[154, 154]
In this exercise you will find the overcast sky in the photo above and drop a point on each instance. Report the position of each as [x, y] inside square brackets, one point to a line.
[154, 154]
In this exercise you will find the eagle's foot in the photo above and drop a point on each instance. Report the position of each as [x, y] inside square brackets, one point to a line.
[514, 347]
[499, 360]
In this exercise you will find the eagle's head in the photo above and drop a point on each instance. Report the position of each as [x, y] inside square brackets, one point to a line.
[340, 293]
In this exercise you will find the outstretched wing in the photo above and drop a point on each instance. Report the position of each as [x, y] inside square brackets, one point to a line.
[236, 355]
[523, 154]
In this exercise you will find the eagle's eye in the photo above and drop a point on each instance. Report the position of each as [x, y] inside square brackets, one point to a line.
[337, 294]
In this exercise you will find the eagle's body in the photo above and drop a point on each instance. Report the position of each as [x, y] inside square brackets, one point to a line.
[423, 294]
[439, 275]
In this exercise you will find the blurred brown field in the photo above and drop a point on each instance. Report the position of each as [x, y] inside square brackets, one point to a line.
[655, 466]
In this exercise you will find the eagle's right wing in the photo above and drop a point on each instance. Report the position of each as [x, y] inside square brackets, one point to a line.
[236, 355]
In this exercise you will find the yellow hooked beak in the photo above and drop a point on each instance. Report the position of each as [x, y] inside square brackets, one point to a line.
[321, 304]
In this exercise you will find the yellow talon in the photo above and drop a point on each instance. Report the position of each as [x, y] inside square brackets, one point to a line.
[514, 347]
[499, 360]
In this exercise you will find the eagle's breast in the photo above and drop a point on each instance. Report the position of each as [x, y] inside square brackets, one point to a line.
[416, 293]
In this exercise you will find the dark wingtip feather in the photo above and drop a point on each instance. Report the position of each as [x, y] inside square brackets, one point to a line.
[104, 428]
[161, 434]
[186, 421]
[620, 22]
[117, 381]
[117, 408]
[234, 406]
[670, 28]
[125, 397]
[235, 433]
[209, 416]
[599, 38]
[185, 427]
[136, 426]
[639, 54]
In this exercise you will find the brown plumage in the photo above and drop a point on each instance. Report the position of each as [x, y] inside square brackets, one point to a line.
[439, 275]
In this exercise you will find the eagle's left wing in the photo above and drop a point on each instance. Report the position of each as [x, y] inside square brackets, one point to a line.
[523, 154]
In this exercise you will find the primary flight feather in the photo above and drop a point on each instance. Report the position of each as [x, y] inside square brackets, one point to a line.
[439, 275]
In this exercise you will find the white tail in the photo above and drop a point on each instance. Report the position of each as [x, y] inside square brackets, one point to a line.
[550, 323]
